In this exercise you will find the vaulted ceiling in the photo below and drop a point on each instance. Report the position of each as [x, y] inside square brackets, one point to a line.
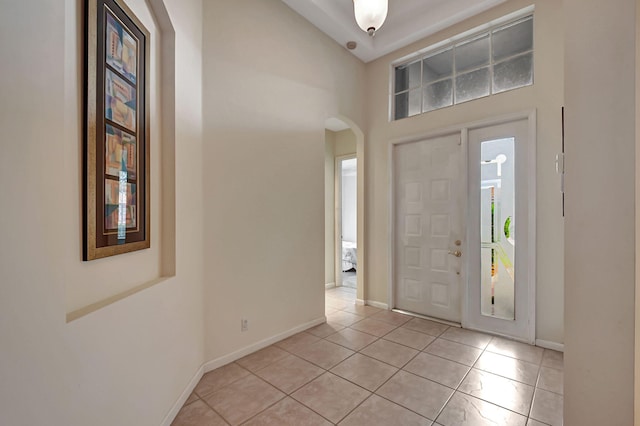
[407, 21]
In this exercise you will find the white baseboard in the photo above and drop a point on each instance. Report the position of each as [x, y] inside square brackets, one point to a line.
[327, 286]
[377, 304]
[550, 345]
[171, 415]
[360, 302]
[226, 359]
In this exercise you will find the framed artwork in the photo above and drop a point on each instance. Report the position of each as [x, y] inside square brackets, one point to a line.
[116, 135]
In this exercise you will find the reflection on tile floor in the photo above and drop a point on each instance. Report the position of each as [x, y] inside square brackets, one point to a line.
[367, 366]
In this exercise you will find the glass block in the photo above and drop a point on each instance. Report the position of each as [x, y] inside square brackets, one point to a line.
[472, 85]
[401, 107]
[512, 40]
[472, 54]
[513, 73]
[437, 95]
[407, 76]
[437, 66]
[415, 102]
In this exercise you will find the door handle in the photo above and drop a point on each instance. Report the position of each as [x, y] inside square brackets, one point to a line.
[456, 253]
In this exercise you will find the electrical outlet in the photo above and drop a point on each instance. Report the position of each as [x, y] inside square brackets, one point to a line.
[244, 324]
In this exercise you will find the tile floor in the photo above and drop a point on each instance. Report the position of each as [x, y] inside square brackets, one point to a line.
[367, 366]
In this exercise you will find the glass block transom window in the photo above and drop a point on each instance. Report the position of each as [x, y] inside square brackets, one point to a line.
[491, 62]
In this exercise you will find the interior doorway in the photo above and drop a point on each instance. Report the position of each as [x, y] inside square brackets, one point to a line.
[346, 236]
[344, 143]
[463, 234]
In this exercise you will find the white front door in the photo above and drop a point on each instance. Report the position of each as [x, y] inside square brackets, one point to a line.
[429, 192]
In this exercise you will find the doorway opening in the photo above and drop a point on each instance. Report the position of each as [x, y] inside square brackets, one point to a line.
[344, 207]
[346, 221]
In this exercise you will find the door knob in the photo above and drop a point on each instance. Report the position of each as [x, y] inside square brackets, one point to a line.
[456, 253]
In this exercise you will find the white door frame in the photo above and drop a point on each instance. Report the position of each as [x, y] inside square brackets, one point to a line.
[337, 237]
[463, 129]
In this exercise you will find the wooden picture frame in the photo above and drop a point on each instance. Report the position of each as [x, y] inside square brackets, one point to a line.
[116, 215]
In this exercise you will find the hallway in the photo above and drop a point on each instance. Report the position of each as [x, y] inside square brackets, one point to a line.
[368, 366]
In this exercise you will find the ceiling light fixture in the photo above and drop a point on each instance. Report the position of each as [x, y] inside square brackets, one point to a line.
[370, 14]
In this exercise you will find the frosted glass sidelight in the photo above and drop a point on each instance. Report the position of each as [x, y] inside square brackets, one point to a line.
[513, 73]
[437, 67]
[408, 76]
[472, 54]
[497, 228]
[437, 95]
[513, 40]
[472, 85]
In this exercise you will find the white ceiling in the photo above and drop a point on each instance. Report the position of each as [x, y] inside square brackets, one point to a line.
[407, 21]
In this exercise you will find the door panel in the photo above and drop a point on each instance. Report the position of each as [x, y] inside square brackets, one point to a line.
[428, 187]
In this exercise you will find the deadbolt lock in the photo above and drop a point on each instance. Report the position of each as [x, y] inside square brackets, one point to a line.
[458, 243]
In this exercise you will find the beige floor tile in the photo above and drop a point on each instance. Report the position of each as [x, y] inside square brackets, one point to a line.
[416, 393]
[290, 373]
[508, 367]
[198, 414]
[553, 359]
[517, 350]
[551, 380]
[532, 422]
[373, 327]
[467, 337]
[343, 318]
[324, 354]
[324, 330]
[506, 393]
[547, 407]
[352, 339]
[243, 399]
[389, 352]
[413, 339]
[438, 369]
[297, 341]
[220, 377]
[262, 358]
[192, 398]
[329, 310]
[337, 304]
[362, 310]
[453, 351]
[364, 371]
[425, 326]
[393, 318]
[287, 412]
[331, 396]
[377, 411]
[465, 410]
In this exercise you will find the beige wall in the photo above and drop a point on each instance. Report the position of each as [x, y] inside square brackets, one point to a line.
[329, 207]
[546, 95]
[345, 142]
[600, 193]
[264, 167]
[97, 370]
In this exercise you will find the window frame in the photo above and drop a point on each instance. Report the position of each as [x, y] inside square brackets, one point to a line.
[487, 29]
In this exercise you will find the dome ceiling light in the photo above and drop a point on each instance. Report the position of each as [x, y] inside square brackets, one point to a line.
[370, 14]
